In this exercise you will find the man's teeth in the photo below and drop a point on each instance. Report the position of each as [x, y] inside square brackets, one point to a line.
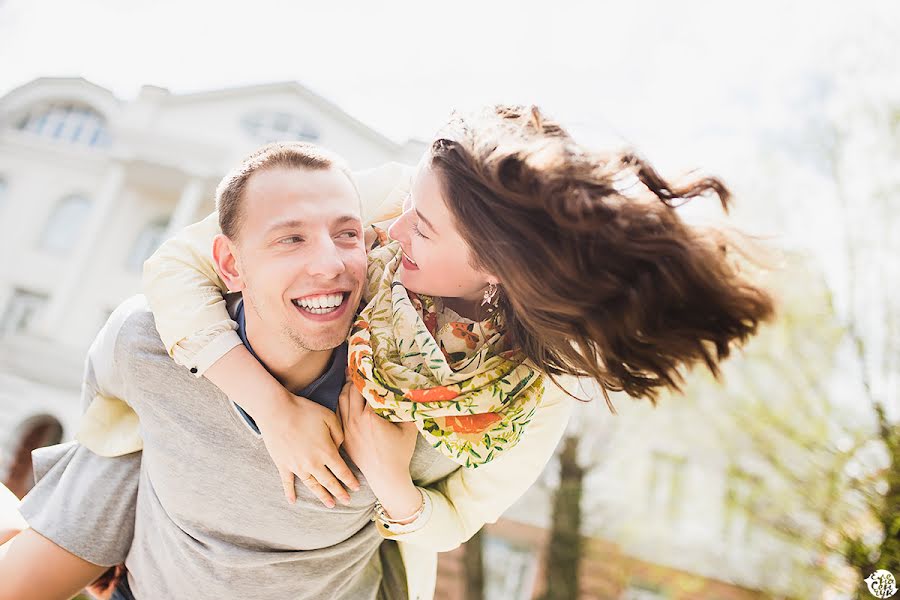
[320, 304]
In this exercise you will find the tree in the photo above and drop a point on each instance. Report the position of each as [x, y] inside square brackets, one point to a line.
[473, 566]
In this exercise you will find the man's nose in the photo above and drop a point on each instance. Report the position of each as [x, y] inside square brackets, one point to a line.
[327, 261]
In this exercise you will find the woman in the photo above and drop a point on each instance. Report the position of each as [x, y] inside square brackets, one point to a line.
[524, 247]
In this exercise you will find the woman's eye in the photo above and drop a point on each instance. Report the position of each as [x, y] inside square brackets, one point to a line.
[416, 230]
[294, 239]
[351, 234]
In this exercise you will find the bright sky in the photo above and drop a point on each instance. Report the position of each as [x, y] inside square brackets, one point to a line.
[638, 68]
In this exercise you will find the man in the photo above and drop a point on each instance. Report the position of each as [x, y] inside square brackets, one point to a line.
[210, 520]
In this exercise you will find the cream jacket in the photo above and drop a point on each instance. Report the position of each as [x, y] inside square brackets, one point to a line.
[186, 295]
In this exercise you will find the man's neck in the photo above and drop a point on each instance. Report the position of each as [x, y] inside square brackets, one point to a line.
[293, 367]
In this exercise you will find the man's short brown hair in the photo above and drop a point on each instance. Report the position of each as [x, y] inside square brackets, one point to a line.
[286, 155]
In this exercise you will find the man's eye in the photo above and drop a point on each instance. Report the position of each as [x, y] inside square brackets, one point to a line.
[294, 239]
[350, 234]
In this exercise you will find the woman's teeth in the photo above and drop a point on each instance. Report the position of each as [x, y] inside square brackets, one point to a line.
[320, 305]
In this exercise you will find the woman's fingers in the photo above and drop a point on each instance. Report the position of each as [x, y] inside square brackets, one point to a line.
[356, 403]
[340, 469]
[327, 480]
[318, 490]
[343, 410]
[287, 482]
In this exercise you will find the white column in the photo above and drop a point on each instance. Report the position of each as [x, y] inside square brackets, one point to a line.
[186, 210]
[103, 204]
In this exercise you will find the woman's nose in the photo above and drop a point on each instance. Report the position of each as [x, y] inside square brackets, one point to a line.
[399, 229]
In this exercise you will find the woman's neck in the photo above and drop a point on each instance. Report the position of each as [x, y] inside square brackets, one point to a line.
[469, 309]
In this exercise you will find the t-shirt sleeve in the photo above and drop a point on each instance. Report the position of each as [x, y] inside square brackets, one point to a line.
[84, 503]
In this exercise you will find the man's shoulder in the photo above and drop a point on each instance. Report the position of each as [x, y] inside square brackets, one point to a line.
[130, 325]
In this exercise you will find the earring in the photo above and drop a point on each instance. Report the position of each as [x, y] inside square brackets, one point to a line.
[490, 296]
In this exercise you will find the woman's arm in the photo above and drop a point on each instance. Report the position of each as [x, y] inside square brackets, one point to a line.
[460, 504]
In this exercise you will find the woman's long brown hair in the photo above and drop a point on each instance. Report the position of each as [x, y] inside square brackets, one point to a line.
[600, 277]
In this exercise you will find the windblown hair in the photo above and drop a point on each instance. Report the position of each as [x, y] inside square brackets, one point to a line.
[283, 155]
[600, 277]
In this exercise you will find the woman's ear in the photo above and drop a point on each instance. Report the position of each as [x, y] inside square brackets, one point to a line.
[226, 263]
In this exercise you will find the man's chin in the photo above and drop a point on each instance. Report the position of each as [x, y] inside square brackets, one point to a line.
[319, 339]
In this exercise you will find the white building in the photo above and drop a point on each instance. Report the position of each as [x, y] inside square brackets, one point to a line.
[89, 186]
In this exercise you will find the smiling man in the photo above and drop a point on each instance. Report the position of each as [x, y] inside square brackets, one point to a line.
[210, 520]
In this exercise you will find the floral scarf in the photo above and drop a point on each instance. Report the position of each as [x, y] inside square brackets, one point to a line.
[413, 360]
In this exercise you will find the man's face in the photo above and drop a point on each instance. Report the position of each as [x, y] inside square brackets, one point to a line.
[300, 256]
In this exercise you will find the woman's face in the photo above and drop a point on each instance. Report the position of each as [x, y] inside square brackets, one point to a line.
[436, 260]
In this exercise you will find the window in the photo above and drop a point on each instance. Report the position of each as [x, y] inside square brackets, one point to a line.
[666, 474]
[509, 570]
[21, 311]
[273, 126]
[65, 224]
[741, 494]
[146, 244]
[68, 122]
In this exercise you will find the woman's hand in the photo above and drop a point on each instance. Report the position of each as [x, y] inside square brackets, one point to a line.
[302, 438]
[382, 450]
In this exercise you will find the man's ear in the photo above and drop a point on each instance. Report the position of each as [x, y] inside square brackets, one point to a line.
[226, 263]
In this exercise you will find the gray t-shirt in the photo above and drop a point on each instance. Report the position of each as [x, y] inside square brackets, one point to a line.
[210, 519]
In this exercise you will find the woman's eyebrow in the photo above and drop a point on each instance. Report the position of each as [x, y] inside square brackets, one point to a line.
[426, 221]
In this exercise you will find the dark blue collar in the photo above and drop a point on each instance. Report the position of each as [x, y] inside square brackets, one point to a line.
[324, 390]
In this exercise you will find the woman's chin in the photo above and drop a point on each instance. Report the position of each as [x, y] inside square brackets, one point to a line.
[411, 284]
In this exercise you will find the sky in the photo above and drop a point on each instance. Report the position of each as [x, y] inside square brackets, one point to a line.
[638, 69]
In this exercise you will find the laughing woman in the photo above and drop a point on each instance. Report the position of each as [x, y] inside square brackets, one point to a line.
[519, 261]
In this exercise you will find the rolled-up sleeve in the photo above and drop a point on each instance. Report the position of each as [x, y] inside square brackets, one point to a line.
[185, 293]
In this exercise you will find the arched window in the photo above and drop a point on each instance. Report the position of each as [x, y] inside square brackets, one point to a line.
[69, 122]
[275, 126]
[147, 242]
[36, 433]
[65, 224]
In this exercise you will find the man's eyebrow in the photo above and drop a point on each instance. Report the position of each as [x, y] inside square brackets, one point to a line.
[348, 218]
[299, 224]
[426, 221]
[286, 224]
